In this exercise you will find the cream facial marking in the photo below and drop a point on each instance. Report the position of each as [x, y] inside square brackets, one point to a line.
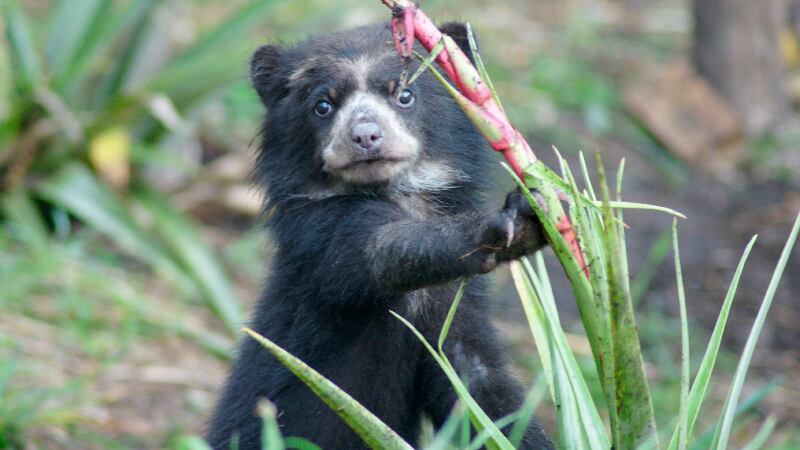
[400, 148]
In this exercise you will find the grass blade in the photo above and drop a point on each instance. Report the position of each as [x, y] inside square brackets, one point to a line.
[703, 378]
[486, 433]
[451, 314]
[642, 206]
[748, 405]
[683, 417]
[427, 62]
[726, 424]
[579, 422]
[588, 414]
[586, 179]
[483, 436]
[477, 415]
[536, 321]
[371, 429]
[540, 170]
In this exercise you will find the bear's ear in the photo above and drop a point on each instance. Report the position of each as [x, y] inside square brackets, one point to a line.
[458, 31]
[266, 74]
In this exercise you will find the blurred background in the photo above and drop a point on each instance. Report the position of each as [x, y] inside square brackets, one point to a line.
[130, 244]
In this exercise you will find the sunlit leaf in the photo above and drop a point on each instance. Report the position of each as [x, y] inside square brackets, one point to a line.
[109, 154]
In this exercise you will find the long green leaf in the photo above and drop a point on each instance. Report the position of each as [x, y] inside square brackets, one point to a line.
[183, 239]
[483, 436]
[642, 206]
[748, 405]
[579, 422]
[632, 400]
[451, 314]
[75, 189]
[726, 423]
[581, 288]
[703, 378]
[539, 169]
[231, 30]
[536, 321]
[192, 80]
[107, 51]
[684, 399]
[588, 414]
[590, 238]
[137, 24]
[586, 178]
[75, 27]
[372, 430]
[24, 58]
[426, 63]
[477, 415]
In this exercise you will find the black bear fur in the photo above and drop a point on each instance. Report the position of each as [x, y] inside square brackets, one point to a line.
[347, 254]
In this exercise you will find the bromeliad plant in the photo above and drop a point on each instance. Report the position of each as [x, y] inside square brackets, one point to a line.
[592, 232]
[89, 105]
[602, 293]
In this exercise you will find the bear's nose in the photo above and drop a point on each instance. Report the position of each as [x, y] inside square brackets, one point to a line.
[366, 136]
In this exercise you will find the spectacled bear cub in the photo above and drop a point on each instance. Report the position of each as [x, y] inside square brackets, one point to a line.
[374, 192]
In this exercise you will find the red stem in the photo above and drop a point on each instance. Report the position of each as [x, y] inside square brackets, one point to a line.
[408, 23]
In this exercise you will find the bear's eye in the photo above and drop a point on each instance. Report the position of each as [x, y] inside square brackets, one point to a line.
[405, 99]
[323, 108]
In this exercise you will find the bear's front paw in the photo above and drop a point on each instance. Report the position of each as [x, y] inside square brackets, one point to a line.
[511, 233]
[515, 228]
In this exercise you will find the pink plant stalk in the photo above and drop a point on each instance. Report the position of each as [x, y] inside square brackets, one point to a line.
[408, 24]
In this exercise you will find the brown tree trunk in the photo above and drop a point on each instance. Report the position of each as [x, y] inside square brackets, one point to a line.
[737, 49]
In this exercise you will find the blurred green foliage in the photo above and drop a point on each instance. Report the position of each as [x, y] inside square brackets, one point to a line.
[100, 102]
